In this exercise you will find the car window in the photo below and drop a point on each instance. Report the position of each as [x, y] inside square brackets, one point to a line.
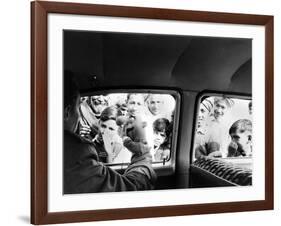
[224, 130]
[108, 120]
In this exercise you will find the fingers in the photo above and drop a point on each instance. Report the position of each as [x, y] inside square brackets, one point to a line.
[84, 130]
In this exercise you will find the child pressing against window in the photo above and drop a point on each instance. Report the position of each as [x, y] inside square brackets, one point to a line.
[161, 139]
[241, 138]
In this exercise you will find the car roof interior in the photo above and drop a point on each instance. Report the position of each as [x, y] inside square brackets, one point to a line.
[106, 59]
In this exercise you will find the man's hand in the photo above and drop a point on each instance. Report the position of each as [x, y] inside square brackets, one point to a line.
[84, 130]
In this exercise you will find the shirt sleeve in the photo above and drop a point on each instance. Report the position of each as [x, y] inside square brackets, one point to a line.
[92, 176]
[89, 175]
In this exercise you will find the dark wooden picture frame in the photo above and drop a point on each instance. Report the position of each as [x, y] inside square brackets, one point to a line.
[39, 112]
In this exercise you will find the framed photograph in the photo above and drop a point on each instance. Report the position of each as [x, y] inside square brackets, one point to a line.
[148, 112]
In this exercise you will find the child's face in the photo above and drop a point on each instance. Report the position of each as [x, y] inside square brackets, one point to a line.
[244, 139]
[123, 109]
[108, 128]
[135, 104]
[98, 105]
[203, 114]
[158, 138]
[154, 104]
[219, 109]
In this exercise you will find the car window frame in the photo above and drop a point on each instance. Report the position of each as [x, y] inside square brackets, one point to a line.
[169, 165]
[197, 108]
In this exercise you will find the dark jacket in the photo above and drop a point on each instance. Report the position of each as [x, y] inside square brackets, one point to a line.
[84, 173]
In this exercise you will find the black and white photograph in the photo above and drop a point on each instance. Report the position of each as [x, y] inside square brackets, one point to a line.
[140, 112]
[145, 112]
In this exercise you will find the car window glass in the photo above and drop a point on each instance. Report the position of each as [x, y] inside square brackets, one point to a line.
[146, 118]
[224, 130]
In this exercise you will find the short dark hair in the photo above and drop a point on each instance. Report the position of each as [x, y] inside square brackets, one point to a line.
[241, 126]
[111, 112]
[161, 125]
[71, 90]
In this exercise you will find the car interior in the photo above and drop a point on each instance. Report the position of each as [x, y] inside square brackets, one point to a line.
[183, 69]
